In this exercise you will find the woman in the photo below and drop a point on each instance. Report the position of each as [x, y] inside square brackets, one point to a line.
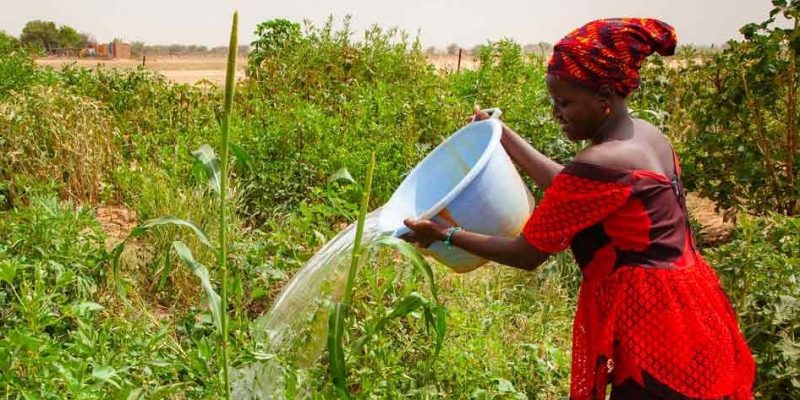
[652, 320]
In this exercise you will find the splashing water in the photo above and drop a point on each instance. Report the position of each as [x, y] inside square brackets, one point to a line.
[294, 331]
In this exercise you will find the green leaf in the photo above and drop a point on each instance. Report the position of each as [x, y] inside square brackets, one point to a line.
[135, 394]
[441, 328]
[116, 253]
[409, 304]
[479, 394]
[414, 256]
[8, 270]
[341, 174]
[504, 386]
[205, 154]
[243, 159]
[140, 230]
[106, 374]
[201, 272]
[87, 307]
[170, 220]
[406, 306]
[336, 328]
[166, 269]
[67, 375]
[789, 349]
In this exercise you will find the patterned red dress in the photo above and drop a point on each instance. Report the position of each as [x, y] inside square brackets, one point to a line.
[652, 319]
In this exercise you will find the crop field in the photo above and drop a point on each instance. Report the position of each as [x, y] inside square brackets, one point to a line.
[148, 222]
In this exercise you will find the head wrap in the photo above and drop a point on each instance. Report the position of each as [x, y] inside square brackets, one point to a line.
[611, 51]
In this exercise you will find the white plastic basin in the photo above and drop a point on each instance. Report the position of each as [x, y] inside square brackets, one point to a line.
[467, 181]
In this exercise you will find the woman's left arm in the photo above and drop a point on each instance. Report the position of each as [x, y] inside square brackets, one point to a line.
[514, 252]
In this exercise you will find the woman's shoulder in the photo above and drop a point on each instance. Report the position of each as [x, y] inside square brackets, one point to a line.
[646, 150]
[606, 162]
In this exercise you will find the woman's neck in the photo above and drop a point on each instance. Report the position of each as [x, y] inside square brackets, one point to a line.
[618, 126]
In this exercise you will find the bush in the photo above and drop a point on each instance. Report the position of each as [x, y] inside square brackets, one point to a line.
[51, 134]
[759, 270]
[734, 114]
[16, 65]
[326, 102]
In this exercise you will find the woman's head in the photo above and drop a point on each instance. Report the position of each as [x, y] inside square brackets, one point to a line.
[581, 111]
[596, 66]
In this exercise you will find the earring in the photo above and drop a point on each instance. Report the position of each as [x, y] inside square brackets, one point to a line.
[608, 111]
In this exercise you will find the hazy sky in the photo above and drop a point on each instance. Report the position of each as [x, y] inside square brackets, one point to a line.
[466, 22]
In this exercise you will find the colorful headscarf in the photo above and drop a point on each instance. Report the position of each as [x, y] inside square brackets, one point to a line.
[611, 51]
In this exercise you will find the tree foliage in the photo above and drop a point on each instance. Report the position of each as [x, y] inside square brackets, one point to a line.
[45, 35]
[734, 115]
[272, 37]
[68, 37]
[41, 34]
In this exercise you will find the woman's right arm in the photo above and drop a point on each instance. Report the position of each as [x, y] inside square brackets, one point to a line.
[538, 166]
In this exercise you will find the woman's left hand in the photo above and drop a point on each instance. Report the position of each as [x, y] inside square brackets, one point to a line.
[424, 232]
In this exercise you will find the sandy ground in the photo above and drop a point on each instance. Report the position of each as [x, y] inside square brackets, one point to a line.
[195, 69]
[450, 63]
[188, 69]
[178, 69]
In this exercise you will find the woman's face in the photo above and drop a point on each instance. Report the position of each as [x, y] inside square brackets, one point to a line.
[580, 111]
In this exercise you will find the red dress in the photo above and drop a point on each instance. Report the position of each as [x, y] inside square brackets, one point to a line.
[652, 319]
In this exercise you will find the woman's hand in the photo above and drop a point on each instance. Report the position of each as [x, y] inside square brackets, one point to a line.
[515, 252]
[424, 232]
[478, 114]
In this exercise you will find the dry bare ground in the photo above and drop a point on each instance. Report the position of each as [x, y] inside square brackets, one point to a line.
[117, 221]
[713, 226]
[195, 69]
[450, 63]
[179, 69]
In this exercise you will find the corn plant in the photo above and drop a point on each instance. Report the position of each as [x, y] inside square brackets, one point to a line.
[217, 171]
[434, 313]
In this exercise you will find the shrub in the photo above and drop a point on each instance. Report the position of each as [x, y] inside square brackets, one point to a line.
[759, 270]
[51, 134]
[16, 65]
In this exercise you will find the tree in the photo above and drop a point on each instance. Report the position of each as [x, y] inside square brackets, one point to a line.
[738, 113]
[45, 35]
[41, 34]
[88, 39]
[540, 48]
[476, 50]
[137, 49]
[452, 49]
[69, 38]
[272, 37]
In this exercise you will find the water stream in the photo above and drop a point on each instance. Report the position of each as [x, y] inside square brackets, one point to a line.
[294, 331]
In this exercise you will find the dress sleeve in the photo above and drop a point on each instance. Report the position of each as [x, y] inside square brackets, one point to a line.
[570, 205]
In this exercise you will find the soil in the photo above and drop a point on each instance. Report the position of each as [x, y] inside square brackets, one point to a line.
[715, 229]
[178, 69]
[117, 221]
[188, 69]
